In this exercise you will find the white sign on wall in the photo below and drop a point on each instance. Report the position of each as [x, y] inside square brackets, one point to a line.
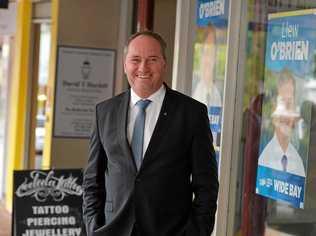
[85, 77]
[8, 20]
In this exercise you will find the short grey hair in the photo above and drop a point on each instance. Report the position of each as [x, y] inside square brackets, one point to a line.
[154, 35]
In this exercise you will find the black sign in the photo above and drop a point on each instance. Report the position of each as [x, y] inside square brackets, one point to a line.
[47, 202]
[4, 3]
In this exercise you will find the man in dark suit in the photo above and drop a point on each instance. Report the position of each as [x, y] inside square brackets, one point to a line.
[151, 168]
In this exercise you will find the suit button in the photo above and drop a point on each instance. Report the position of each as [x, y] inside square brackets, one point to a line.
[137, 180]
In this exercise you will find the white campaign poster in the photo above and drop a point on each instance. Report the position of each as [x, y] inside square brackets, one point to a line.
[85, 77]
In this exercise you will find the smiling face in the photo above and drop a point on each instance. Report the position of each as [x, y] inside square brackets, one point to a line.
[208, 57]
[284, 122]
[144, 65]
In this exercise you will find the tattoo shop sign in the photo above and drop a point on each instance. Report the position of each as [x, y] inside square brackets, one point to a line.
[47, 202]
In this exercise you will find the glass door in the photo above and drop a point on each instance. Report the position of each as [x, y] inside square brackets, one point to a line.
[209, 61]
[201, 70]
[276, 174]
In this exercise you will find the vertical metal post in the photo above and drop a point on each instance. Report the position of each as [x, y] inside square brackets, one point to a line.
[231, 124]
[144, 15]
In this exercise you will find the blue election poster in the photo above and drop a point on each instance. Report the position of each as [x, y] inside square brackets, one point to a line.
[215, 115]
[286, 110]
[212, 11]
[210, 48]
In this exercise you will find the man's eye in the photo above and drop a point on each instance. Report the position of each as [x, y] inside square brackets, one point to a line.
[135, 60]
[153, 60]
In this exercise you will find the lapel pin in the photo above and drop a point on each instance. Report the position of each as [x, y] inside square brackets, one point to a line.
[165, 113]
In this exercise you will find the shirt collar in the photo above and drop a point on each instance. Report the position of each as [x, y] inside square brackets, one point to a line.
[155, 97]
[278, 145]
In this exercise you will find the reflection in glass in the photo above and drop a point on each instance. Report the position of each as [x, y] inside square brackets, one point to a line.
[208, 74]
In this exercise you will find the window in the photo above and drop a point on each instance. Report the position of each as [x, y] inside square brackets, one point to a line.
[276, 182]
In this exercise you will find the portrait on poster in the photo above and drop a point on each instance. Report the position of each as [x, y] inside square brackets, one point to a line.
[85, 76]
[210, 47]
[286, 110]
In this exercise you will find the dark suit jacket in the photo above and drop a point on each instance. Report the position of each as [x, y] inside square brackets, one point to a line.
[179, 161]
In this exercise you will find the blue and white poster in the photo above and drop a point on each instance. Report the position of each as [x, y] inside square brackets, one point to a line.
[212, 11]
[215, 117]
[210, 49]
[286, 111]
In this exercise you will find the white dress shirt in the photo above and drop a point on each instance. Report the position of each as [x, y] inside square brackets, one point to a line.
[210, 96]
[152, 114]
[272, 154]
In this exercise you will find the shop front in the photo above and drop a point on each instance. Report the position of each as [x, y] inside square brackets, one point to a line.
[251, 62]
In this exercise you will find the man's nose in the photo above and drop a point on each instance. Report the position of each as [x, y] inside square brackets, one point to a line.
[143, 66]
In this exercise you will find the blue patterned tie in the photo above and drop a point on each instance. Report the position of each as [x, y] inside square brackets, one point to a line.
[137, 142]
[284, 162]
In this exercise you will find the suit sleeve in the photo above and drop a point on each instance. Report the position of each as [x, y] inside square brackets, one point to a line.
[204, 178]
[94, 183]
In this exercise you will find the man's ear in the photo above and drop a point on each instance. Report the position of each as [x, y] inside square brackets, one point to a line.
[124, 65]
[165, 66]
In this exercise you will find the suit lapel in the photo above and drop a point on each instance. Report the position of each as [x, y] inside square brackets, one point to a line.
[161, 126]
[122, 116]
